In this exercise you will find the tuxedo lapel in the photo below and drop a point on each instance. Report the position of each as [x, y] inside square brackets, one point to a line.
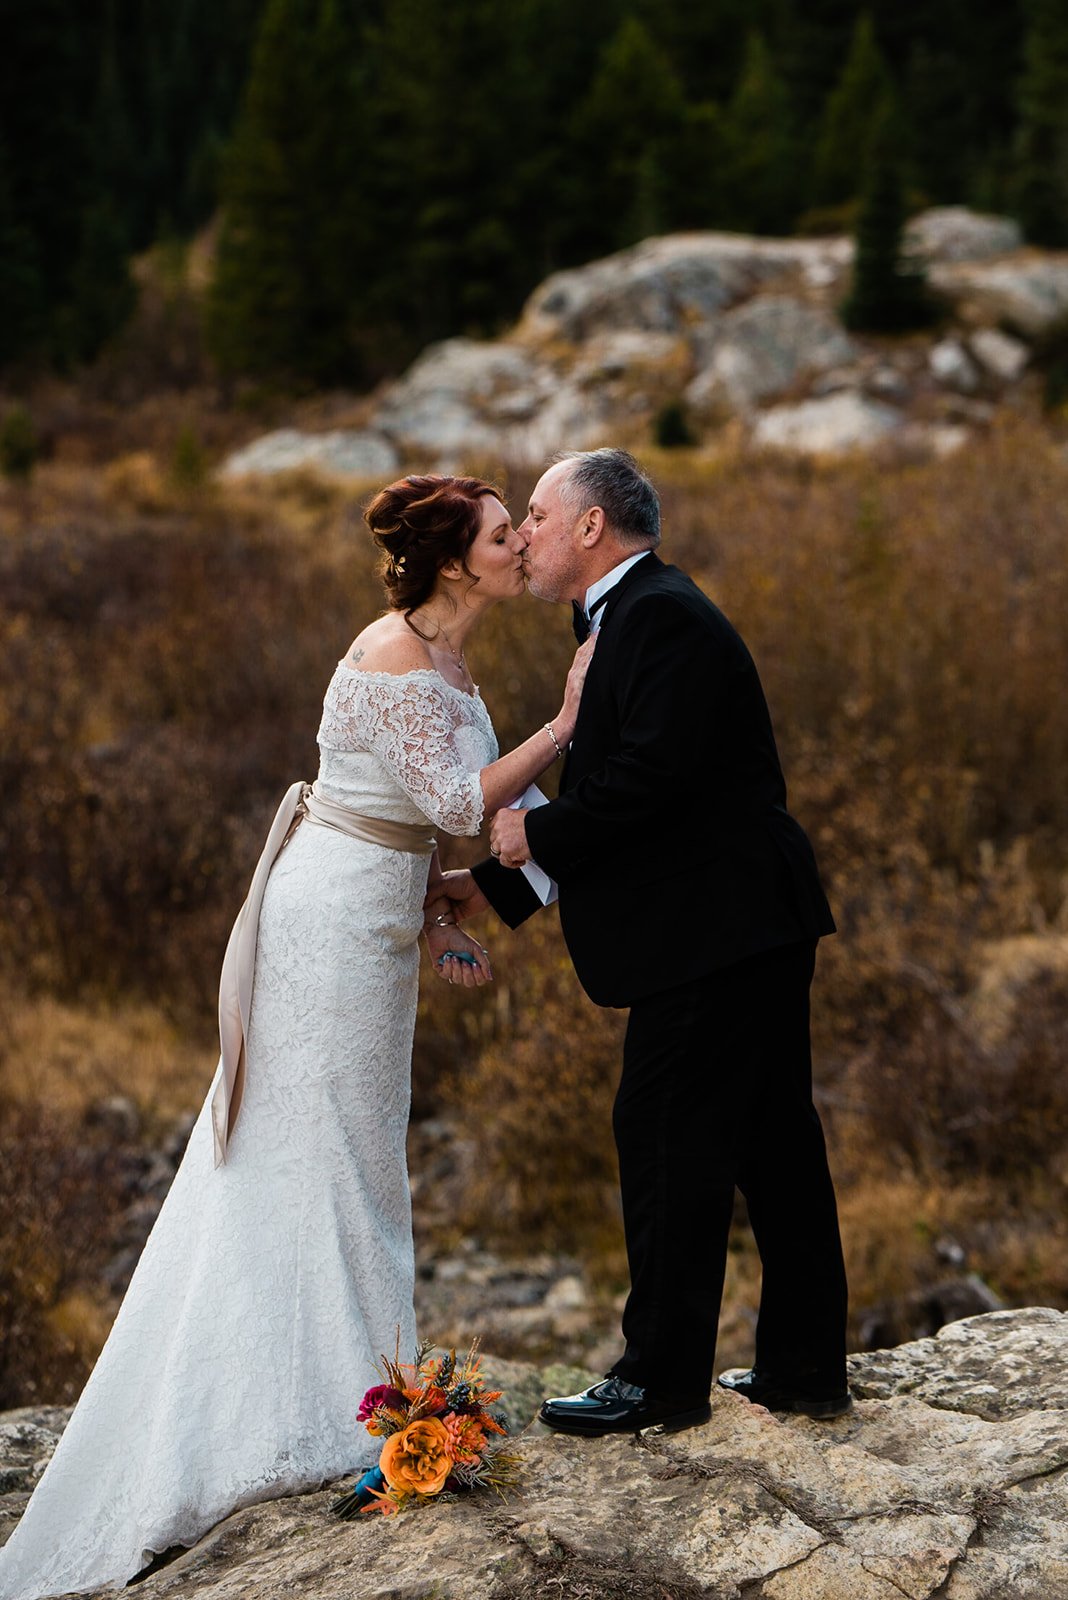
[639, 572]
[642, 569]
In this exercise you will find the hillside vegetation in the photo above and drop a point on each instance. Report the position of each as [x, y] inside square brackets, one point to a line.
[164, 647]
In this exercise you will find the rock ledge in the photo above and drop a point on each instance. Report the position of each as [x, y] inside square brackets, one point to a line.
[949, 1479]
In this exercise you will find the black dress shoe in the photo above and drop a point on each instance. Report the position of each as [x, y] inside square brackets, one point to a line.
[776, 1395]
[613, 1406]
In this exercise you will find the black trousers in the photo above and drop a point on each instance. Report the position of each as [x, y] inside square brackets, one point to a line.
[716, 1094]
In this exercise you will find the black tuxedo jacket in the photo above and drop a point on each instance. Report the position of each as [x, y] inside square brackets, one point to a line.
[670, 839]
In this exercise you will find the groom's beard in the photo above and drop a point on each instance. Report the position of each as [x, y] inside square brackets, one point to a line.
[555, 588]
[539, 593]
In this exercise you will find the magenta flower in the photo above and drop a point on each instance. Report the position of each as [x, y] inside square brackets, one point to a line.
[380, 1395]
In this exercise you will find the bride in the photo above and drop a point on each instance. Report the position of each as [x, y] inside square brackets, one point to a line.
[281, 1266]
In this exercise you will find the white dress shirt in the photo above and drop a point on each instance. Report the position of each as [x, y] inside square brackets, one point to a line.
[609, 581]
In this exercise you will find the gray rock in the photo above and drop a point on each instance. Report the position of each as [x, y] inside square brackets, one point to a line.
[567, 1294]
[1028, 292]
[761, 349]
[1000, 1365]
[952, 366]
[27, 1439]
[999, 353]
[342, 453]
[953, 233]
[949, 1478]
[835, 425]
[833, 382]
[940, 438]
[668, 285]
[627, 355]
[463, 398]
[887, 383]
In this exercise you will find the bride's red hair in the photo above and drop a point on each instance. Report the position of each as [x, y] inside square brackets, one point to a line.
[420, 523]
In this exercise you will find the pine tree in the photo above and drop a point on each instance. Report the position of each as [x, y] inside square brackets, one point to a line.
[45, 88]
[22, 322]
[888, 295]
[102, 294]
[278, 305]
[846, 128]
[1042, 141]
[698, 180]
[442, 196]
[761, 159]
[626, 127]
[940, 117]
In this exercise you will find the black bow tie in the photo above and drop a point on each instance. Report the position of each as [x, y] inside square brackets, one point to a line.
[579, 620]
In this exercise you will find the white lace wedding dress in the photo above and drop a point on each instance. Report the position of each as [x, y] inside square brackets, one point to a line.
[270, 1285]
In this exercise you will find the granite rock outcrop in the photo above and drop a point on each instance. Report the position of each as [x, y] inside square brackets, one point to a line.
[947, 1481]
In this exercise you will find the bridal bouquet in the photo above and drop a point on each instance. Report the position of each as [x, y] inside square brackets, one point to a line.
[440, 1435]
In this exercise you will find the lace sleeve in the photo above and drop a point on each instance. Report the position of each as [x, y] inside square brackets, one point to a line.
[410, 723]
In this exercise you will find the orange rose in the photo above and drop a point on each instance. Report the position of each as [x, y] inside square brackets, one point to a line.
[418, 1459]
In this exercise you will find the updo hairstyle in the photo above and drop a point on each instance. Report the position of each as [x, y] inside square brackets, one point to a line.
[420, 524]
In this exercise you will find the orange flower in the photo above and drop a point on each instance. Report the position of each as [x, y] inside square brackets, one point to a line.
[466, 1438]
[383, 1419]
[418, 1459]
[433, 1399]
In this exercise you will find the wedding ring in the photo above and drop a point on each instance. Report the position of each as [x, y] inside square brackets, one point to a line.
[496, 854]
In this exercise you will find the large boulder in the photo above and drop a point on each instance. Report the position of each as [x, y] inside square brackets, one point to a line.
[948, 1479]
[674, 283]
[953, 367]
[953, 233]
[342, 453]
[1027, 292]
[759, 350]
[835, 425]
[1000, 355]
[727, 323]
[464, 398]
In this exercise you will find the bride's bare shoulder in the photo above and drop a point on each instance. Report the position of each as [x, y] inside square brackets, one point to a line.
[388, 645]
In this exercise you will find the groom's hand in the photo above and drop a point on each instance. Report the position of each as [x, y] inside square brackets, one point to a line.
[463, 893]
[508, 838]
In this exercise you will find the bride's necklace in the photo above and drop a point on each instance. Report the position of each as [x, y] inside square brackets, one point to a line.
[458, 657]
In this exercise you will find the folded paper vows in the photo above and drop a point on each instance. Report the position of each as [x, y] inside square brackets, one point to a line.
[539, 881]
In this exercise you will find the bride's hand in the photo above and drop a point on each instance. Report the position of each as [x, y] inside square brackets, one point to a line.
[566, 717]
[447, 948]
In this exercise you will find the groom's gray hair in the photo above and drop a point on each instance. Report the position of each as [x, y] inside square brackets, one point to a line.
[613, 480]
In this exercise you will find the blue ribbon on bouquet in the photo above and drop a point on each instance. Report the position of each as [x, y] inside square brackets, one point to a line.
[361, 1494]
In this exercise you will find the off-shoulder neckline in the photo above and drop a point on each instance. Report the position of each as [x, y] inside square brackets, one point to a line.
[416, 672]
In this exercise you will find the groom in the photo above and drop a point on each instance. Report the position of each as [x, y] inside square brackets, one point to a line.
[690, 895]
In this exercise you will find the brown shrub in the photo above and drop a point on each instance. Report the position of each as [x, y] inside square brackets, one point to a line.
[58, 1194]
[162, 664]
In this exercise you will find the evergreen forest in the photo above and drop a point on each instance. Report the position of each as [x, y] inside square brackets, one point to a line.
[381, 173]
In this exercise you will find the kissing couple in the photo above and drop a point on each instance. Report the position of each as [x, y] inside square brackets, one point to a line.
[281, 1264]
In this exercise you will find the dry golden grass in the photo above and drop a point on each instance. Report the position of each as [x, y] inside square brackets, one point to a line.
[70, 1056]
[163, 652]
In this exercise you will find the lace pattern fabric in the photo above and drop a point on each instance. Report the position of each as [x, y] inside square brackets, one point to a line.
[270, 1286]
[427, 735]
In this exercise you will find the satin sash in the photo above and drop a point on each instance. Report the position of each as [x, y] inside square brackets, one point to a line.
[301, 803]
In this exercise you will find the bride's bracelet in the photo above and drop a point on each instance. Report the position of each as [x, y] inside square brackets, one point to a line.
[556, 743]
